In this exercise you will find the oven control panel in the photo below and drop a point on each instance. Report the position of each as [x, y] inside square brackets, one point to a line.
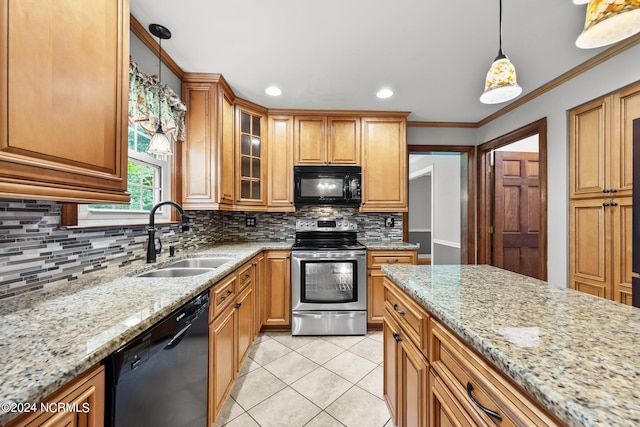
[325, 224]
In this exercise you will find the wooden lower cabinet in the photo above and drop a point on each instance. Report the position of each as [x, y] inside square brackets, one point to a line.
[277, 288]
[244, 324]
[445, 382]
[86, 393]
[375, 280]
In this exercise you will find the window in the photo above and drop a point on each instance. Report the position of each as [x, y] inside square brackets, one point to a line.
[148, 182]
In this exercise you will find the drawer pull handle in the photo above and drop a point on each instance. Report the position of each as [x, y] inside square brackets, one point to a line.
[400, 312]
[392, 261]
[396, 337]
[238, 305]
[488, 411]
[245, 277]
[225, 296]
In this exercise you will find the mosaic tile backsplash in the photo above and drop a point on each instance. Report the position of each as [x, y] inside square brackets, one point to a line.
[35, 252]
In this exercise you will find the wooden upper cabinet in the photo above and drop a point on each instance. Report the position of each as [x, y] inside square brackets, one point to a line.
[208, 152]
[626, 108]
[64, 93]
[251, 148]
[280, 164]
[588, 145]
[384, 164]
[321, 140]
[601, 145]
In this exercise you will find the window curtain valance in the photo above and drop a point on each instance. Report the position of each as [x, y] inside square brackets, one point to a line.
[143, 104]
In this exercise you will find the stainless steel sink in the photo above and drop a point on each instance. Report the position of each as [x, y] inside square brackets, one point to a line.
[175, 272]
[204, 262]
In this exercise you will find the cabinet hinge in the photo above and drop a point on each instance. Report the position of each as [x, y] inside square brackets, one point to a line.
[491, 229]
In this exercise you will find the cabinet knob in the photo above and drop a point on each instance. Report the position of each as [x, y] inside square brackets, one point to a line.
[614, 204]
[605, 204]
[613, 190]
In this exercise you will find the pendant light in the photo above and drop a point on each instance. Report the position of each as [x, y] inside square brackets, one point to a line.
[159, 142]
[500, 85]
[609, 21]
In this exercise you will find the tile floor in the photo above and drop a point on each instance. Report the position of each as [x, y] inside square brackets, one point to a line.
[324, 381]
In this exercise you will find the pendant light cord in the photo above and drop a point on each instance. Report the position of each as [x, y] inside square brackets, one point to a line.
[160, 84]
[500, 32]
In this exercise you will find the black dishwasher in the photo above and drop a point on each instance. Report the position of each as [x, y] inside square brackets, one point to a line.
[160, 378]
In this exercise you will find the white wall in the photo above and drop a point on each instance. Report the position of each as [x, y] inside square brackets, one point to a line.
[148, 63]
[420, 203]
[527, 145]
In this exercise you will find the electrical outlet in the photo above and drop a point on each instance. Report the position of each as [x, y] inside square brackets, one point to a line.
[250, 221]
[389, 222]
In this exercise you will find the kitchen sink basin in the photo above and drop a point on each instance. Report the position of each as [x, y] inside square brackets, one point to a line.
[204, 262]
[175, 272]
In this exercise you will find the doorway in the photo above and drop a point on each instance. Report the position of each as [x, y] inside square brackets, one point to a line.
[441, 204]
[512, 209]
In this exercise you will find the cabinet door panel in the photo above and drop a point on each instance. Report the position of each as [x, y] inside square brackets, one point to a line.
[244, 327]
[280, 182]
[222, 366]
[64, 90]
[622, 249]
[278, 288]
[589, 240]
[344, 140]
[590, 134]
[390, 367]
[310, 140]
[198, 158]
[384, 166]
[626, 108]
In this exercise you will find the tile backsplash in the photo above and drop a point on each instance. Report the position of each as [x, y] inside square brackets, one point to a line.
[36, 252]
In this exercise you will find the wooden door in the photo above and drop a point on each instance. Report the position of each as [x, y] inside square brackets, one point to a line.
[384, 165]
[310, 140]
[278, 288]
[222, 358]
[588, 143]
[280, 182]
[516, 222]
[589, 246]
[344, 141]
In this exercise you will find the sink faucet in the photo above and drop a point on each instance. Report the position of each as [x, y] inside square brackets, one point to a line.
[152, 251]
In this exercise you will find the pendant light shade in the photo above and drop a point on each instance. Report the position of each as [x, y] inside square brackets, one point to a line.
[609, 21]
[160, 144]
[501, 84]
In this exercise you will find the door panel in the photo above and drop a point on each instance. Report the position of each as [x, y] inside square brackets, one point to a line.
[517, 213]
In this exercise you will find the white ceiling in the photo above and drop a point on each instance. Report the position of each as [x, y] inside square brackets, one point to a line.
[336, 54]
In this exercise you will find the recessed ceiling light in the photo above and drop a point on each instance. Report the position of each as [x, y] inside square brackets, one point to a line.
[273, 91]
[384, 93]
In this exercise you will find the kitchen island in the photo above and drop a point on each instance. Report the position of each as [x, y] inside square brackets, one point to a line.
[578, 356]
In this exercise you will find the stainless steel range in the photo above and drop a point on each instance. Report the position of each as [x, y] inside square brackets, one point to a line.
[328, 279]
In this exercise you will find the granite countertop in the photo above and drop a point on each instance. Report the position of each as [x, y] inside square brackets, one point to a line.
[49, 337]
[577, 354]
[389, 246]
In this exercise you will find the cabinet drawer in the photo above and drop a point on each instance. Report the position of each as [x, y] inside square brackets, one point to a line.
[409, 315]
[245, 277]
[474, 382]
[444, 408]
[378, 259]
[222, 295]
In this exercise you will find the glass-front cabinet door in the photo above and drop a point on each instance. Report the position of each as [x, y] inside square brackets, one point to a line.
[251, 161]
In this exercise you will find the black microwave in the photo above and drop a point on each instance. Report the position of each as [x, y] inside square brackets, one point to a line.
[327, 185]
